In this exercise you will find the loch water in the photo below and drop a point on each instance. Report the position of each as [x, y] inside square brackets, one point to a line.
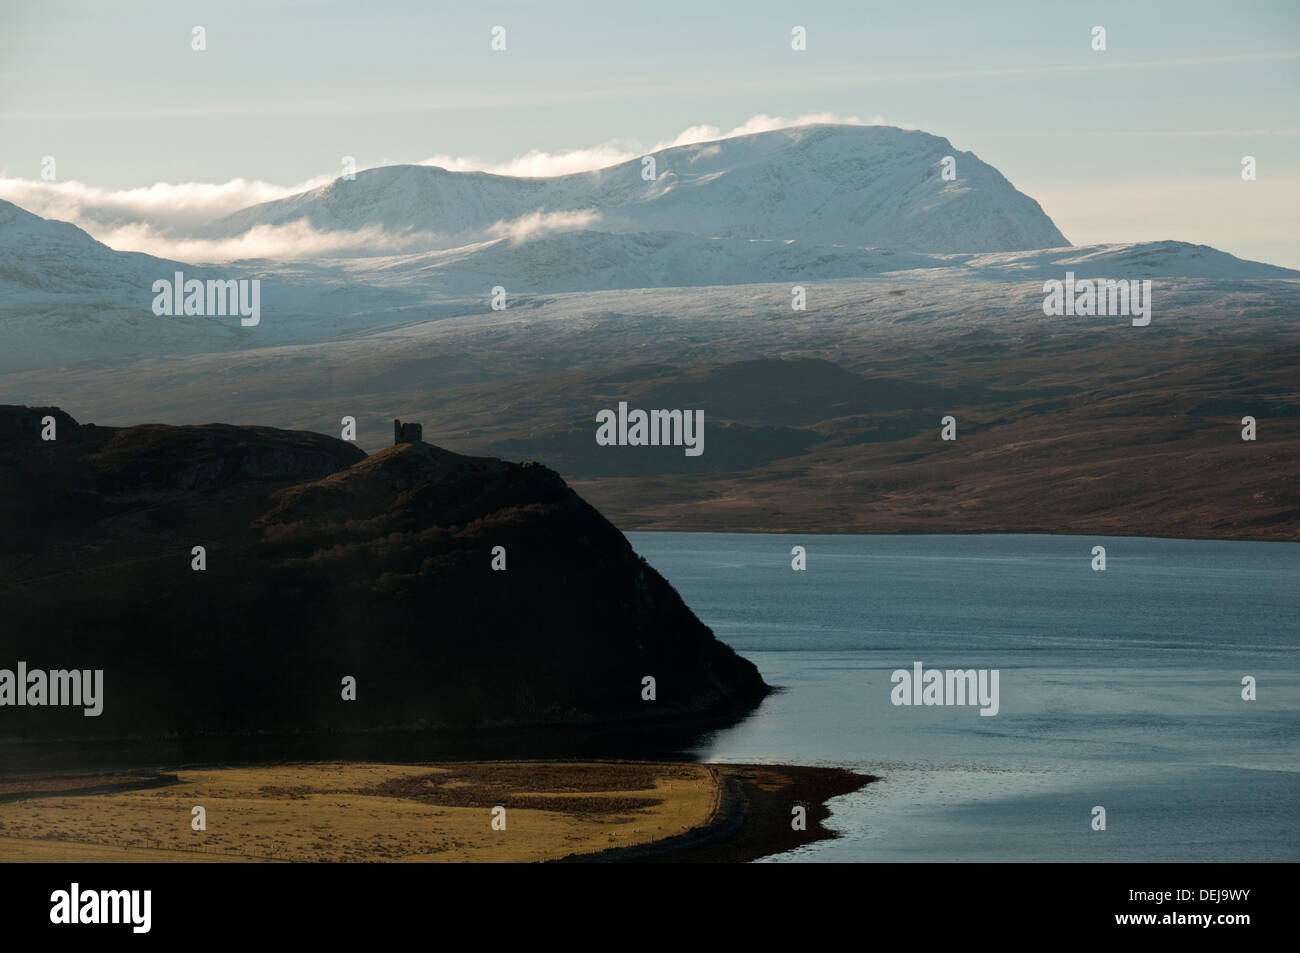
[1120, 689]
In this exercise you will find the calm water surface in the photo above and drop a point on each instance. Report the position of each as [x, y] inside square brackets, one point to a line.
[1119, 688]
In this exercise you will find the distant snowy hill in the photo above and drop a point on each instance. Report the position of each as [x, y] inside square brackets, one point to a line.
[66, 297]
[43, 262]
[1163, 259]
[41, 255]
[589, 260]
[754, 214]
[821, 184]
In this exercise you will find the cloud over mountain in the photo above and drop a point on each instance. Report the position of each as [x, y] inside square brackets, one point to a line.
[167, 218]
[825, 184]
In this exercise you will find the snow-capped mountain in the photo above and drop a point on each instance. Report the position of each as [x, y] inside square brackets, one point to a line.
[45, 260]
[797, 206]
[821, 184]
[46, 256]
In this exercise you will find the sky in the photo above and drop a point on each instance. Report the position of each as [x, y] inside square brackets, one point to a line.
[1141, 141]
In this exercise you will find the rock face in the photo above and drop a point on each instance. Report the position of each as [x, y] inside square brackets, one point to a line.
[322, 564]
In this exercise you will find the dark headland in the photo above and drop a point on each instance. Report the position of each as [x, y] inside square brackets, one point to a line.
[325, 564]
[321, 564]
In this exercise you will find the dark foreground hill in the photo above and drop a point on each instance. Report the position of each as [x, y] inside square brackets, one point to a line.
[324, 563]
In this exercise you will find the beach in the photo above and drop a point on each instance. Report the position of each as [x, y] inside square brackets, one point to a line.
[480, 811]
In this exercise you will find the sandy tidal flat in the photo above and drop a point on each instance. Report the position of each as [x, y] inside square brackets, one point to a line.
[356, 812]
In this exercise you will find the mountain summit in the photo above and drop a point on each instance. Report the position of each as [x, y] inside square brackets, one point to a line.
[822, 184]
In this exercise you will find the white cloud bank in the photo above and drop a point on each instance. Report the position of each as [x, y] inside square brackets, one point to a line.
[164, 204]
[292, 240]
[530, 226]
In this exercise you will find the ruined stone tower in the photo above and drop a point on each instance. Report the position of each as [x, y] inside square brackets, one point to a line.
[407, 433]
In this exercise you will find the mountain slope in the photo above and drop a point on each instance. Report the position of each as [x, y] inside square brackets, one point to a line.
[47, 256]
[824, 184]
[65, 297]
[589, 260]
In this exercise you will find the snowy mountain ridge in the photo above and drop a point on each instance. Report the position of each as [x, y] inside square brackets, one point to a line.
[824, 184]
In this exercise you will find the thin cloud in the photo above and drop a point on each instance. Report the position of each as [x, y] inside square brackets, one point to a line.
[615, 92]
[1154, 134]
[530, 226]
[292, 240]
[538, 164]
[167, 219]
[163, 204]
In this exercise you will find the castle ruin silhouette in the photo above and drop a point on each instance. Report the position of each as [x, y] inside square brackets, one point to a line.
[407, 433]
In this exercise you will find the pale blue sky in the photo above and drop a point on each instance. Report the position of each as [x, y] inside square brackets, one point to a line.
[1142, 141]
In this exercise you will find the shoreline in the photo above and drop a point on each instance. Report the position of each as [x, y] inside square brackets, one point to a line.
[750, 820]
[722, 813]
[752, 531]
